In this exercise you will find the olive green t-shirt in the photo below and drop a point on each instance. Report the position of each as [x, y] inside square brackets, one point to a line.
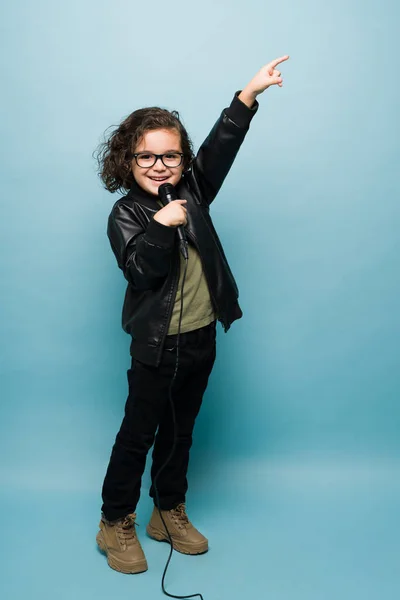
[198, 310]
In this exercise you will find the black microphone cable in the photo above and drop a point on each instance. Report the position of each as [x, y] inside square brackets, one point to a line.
[172, 452]
[167, 194]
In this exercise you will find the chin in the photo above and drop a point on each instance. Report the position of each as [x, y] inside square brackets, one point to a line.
[151, 189]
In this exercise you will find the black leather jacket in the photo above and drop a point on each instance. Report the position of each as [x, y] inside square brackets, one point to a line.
[148, 252]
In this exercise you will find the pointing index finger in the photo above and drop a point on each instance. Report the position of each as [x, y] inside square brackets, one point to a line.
[277, 61]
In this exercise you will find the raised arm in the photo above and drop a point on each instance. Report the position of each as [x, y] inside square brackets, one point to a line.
[218, 151]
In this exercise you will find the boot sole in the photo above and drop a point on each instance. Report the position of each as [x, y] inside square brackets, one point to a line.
[161, 536]
[120, 565]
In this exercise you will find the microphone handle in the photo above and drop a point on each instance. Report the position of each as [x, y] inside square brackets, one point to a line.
[166, 198]
[182, 241]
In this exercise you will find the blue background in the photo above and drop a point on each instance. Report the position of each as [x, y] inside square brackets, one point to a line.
[295, 466]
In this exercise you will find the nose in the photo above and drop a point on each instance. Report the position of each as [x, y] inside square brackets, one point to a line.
[159, 165]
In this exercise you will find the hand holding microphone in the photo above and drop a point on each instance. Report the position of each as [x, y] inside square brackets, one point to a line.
[173, 214]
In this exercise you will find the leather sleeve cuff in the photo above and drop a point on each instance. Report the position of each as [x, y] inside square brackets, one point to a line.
[159, 234]
[240, 113]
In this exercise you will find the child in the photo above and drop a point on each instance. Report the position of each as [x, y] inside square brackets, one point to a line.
[149, 148]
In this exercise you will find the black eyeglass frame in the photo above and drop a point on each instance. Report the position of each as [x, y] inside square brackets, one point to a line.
[157, 156]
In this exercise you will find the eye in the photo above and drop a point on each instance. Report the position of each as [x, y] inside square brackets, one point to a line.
[145, 156]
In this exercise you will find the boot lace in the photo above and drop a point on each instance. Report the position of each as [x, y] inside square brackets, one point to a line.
[126, 529]
[180, 516]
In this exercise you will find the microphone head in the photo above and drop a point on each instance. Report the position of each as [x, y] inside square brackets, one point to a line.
[167, 193]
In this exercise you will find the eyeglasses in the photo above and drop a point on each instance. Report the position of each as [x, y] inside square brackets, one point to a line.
[148, 159]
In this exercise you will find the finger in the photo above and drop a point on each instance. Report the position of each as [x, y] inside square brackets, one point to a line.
[277, 80]
[179, 201]
[277, 61]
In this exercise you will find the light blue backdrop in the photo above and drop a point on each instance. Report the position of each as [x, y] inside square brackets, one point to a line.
[305, 391]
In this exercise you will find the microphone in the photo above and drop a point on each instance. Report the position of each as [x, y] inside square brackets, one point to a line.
[167, 194]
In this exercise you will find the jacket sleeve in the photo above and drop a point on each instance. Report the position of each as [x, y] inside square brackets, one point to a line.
[143, 255]
[218, 151]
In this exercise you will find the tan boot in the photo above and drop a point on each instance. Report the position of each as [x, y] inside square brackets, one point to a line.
[119, 541]
[185, 537]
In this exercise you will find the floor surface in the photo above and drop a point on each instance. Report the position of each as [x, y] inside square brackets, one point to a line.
[277, 531]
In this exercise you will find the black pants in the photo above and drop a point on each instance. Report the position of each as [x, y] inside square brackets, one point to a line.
[147, 407]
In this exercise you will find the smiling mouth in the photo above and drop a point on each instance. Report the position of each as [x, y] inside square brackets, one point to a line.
[159, 179]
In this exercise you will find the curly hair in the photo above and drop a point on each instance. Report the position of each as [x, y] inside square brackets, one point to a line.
[115, 154]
